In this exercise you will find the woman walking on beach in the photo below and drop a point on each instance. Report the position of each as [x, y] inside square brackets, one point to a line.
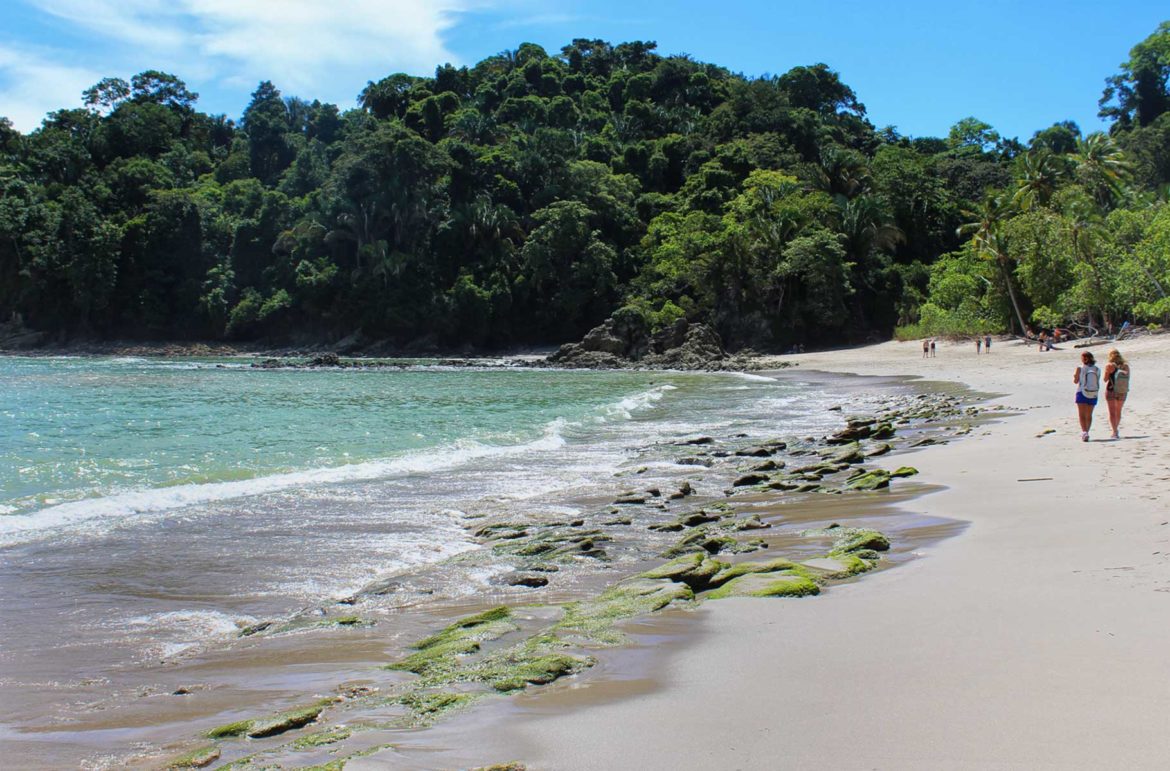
[1088, 380]
[1116, 388]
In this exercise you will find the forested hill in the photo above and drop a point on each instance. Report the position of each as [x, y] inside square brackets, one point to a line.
[527, 198]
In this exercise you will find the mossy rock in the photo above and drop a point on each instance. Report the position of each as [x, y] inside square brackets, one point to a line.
[757, 451]
[427, 707]
[841, 566]
[883, 431]
[824, 468]
[748, 480]
[694, 519]
[594, 619]
[732, 572]
[752, 522]
[877, 450]
[631, 499]
[861, 542]
[515, 765]
[197, 758]
[322, 739]
[257, 628]
[877, 479]
[848, 455]
[556, 542]
[786, 584]
[229, 730]
[852, 540]
[502, 530]
[711, 543]
[904, 471]
[694, 570]
[769, 465]
[538, 671]
[288, 721]
[442, 651]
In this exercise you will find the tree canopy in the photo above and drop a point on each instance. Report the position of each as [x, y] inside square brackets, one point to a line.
[527, 197]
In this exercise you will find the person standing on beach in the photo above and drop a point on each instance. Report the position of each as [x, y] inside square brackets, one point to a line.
[926, 347]
[978, 345]
[1088, 380]
[1116, 388]
[987, 343]
[932, 347]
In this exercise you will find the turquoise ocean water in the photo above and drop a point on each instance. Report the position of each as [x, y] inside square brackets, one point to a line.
[151, 508]
[84, 439]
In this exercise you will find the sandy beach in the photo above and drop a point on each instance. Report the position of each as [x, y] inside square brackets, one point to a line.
[1039, 638]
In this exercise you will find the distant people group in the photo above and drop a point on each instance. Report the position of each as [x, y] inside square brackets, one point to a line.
[928, 348]
[1088, 378]
[982, 344]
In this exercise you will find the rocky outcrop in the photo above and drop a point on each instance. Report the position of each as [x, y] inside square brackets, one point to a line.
[14, 336]
[624, 341]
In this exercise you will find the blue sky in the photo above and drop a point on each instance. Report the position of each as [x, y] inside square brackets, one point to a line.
[917, 65]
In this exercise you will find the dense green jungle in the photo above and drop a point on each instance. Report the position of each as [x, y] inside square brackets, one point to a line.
[525, 199]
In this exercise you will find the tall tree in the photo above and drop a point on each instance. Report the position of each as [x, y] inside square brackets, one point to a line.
[1138, 94]
[984, 226]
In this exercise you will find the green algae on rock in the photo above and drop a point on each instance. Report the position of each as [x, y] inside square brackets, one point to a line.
[426, 707]
[540, 670]
[593, 620]
[732, 572]
[229, 730]
[782, 584]
[706, 539]
[877, 479]
[840, 566]
[196, 758]
[288, 721]
[459, 639]
[694, 519]
[695, 570]
[322, 739]
[851, 540]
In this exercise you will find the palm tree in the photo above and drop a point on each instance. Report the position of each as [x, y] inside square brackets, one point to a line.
[984, 227]
[1101, 166]
[1086, 228]
[841, 172]
[867, 227]
[1038, 172]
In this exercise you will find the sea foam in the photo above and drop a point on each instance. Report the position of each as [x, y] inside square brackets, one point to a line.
[120, 506]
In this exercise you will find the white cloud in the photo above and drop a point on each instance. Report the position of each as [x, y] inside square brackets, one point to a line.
[31, 84]
[317, 48]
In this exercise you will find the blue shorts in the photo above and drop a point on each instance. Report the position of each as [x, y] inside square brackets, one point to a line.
[1082, 399]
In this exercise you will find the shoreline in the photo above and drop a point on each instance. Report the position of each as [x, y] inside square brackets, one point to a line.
[1036, 638]
[372, 638]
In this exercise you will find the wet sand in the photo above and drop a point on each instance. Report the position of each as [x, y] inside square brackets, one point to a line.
[1036, 639]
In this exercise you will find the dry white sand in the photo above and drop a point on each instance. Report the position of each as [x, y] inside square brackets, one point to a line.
[1039, 638]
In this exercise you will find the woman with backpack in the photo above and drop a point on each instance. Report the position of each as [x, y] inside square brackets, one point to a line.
[1088, 380]
[1116, 388]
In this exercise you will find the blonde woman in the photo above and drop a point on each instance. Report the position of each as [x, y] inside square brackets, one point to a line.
[1116, 388]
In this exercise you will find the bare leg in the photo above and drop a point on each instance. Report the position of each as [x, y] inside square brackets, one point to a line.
[1085, 414]
[1114, 406]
